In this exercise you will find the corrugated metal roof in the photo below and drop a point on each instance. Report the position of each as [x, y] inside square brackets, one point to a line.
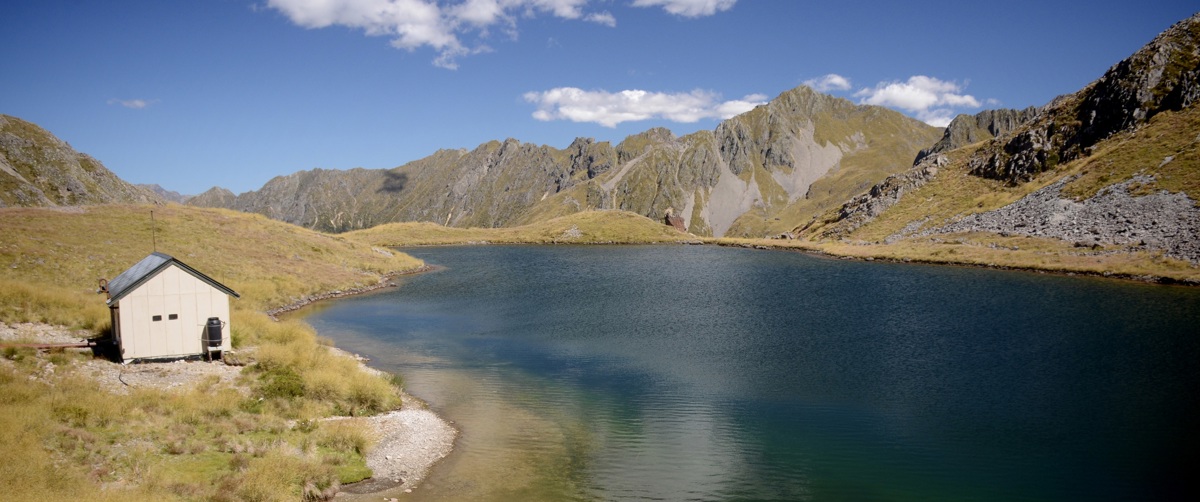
[151, 265]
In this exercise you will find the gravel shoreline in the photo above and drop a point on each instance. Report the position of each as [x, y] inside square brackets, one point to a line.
[410, 441]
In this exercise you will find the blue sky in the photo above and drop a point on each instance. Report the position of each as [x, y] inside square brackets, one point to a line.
[192, 94]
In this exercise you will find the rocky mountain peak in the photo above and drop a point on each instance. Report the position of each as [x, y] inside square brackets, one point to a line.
[214, 197]
[1163, 75]
[805, 101]
[593, 158]
[164, 194]
[969, 129]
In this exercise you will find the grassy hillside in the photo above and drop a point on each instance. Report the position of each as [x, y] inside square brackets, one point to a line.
[589, 227]
[1163, 151]
[67, 438]
[38, 169]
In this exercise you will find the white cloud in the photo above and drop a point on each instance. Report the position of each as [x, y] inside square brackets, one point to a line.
[612, 108]
[603, 18]
[933, 101]
[478, 12]
[938, 117]
[412, 24]
[136, 104]
[567, 9]
[688, 8]
[830, 82]
[736, 107]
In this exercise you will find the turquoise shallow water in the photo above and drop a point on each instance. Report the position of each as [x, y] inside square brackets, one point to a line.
[704, 373]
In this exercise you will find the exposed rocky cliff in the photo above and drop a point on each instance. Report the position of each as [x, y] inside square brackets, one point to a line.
[969, 129]
[862, 209]
[329, 200]
[38, 169]
[736, 179]
[1164, 75]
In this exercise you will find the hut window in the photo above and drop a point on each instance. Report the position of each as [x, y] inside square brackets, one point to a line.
[173, 317]
[156, 318]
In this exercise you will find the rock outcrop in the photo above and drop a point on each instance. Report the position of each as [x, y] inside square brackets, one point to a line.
[866, 207]
[38, 169]
[970, 129]
[1163, 75]
[1163, 221]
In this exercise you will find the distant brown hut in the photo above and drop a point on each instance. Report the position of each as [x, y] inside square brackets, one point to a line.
[675, 221]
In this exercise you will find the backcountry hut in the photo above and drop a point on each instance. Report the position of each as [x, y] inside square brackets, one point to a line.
[163, 309]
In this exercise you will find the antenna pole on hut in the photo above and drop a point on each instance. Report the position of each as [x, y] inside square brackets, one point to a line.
[153, 231]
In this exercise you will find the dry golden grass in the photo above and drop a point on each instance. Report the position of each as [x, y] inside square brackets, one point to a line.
[588, 227]
[1166, 148]
[1016, 252]
[269, 262]
[69, 437]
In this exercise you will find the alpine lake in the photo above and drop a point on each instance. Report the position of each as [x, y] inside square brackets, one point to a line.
[705, 373]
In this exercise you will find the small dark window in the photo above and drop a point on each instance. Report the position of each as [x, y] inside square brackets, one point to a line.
[156, 318]
[173, 317]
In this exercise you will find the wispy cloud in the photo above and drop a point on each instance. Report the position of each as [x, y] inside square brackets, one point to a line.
[688, 8]
[453, 30]
[136, 104]
[830, 82]
[933, 101]
[612, 108]
[604, 18]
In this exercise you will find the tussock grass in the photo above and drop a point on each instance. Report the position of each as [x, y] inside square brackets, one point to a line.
[269, 263]
[25, 302]
[67, 438]
[1166, 148]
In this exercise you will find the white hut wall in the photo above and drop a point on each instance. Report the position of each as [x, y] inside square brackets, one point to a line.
[166, 316]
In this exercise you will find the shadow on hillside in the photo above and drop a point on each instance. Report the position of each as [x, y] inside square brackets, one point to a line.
[394, 182]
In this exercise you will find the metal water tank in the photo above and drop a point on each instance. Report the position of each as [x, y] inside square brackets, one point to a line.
[212, 332]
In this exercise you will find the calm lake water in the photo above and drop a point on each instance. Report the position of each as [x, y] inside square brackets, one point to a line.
[706, 373]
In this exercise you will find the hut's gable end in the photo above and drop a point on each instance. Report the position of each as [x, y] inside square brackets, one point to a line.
[165, 314]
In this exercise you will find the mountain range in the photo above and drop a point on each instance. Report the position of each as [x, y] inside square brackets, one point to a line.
[1114, 163]
[800, 153]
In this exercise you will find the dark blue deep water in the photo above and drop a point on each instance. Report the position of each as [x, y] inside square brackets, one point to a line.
[706, 373]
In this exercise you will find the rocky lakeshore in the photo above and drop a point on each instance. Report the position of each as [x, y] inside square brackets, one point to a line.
[410, 441]
[384, 282]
